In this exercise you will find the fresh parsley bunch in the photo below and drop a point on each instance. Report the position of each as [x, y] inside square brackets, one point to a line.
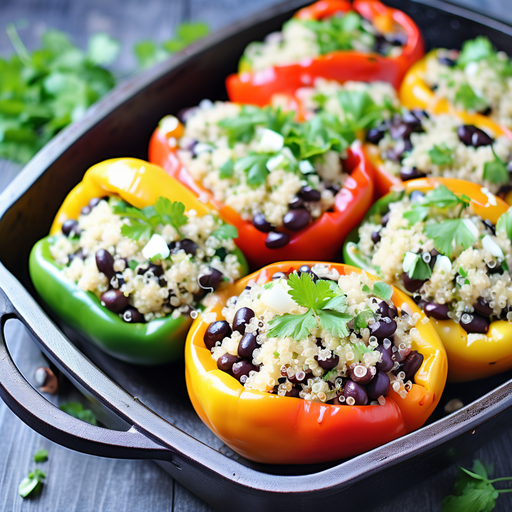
[474, 491]
[43, 91]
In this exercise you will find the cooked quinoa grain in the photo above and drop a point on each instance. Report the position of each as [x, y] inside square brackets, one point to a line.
[126, 274]
[356, 365]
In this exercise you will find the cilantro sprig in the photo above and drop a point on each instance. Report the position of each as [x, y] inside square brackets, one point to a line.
[144, 221]
[441, 154]
[32, 484]
[496, 170]
[76, 409]
[380, 289]
[474, 490]
[327, 308]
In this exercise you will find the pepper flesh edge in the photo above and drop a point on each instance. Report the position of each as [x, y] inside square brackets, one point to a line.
[467, 360]
[283, 430]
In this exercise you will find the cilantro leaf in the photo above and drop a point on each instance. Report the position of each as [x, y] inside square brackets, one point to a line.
[226, 170]
[334, 322]
[226, 232]
[255, 166]
[441, 155]
[41, 456]
[172, 213]
[469, 100]
[449, 234]
[475, 50]
[337, 303]
[416, 214]
[77, 410]
[360, 349]
[361, 320]
[442, 197]
[381, 290]
[306, 293]
[415, 267]
[136, 231]
[102, 49]
[505, 223]
[330, 374]
[360, 110]
[294, 326]
[496, 171]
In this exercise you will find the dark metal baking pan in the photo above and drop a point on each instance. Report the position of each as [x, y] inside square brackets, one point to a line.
[149, 408]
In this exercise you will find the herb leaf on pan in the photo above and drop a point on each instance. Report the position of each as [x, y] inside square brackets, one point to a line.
[76, 409]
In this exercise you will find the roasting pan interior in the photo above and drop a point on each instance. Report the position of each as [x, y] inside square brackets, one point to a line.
[121, 125]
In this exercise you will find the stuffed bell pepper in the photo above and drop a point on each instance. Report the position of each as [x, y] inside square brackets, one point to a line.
[333, 39]
[414, 144]
[447, 243]
[476, 80]
[130, 255]
[305, 362]
[293, 190]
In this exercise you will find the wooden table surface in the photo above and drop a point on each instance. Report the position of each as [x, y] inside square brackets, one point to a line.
[77, 482]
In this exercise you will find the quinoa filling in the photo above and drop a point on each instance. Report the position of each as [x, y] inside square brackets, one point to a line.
[454, 263]
[413, 145]
[302, 39]
[477, 79]
[319, 336]
[149, 263]
[272, 170]
[363, 104]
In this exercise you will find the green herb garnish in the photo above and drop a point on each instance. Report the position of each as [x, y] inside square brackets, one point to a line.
[469, 100]
[474, 491]
[330, 374]
[226, 170]
[505, 223]
[144, 221]
[361, 319]
[32, 484]
[326, 309]
[76, 409]
[496, 170]
[226, 232]
[441, 155]
[41, 456]
[381, 290]
[449, 234]
[475, 50]
[416, 267]
[149, 53]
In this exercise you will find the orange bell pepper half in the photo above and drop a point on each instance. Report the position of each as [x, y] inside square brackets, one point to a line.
[277, 429]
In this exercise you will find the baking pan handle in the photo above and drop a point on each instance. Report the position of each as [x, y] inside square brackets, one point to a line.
[47, 419]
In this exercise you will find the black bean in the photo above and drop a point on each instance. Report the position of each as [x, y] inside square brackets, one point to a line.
[334, 188]
[133, 316]
[70, 228]
[472, 136]
[446, 61]
[279, 275]
[115, 300]
[401, 127]
[303, 268]
[211, 280]
[412, 285]
[374, 135]
[410, 173]
[329, 363]
[482, 307]
[85, 210]
[276, 240]
[400, 148]
[477, 323]
[382, 329]
[162, 282]
[376, 237]
[242, 318]
[226, 362]
[420, 114]
[309, 194]
[385, 219]
[497, 269]
[387, 311]
[186, 245]
[156, 269]
[379, 386]
[437, 311]
[416, 195]
[120, 279]
[380, 44]
[261, 224]
[241, 368]
[95, 200]
[294, 392]
[356, 391]
[411, 364]
[295, 203]
[298, 219]
[490, 226]
[247, 344]
[386, 363]
[78, 254]
[361, 374]
[105, 263]
[216, 331]
[186, 113]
